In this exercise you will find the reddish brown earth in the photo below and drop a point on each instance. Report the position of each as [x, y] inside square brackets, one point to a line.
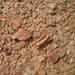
[37, 37]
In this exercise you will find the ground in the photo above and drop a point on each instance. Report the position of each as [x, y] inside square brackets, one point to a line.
[37, 37]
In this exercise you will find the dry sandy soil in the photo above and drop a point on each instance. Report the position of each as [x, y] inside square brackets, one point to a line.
[37, 37]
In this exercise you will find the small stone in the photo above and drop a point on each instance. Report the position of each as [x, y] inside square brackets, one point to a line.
[16, 23]
[68, 52]
[62, 54]
[58, 18]
[11, 30]
[3, 18]
[71, 61]
[8, 52]
[41, 58]
[19, 45]
[53, 6]
[22, 35]
[53, 57]
[0, 49]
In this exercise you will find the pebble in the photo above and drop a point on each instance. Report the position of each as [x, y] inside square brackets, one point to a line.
[62, 54]
[68, 52]
[53, 58]
[16, 23]
[53, 6]
[71, 61]
[22, 35]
